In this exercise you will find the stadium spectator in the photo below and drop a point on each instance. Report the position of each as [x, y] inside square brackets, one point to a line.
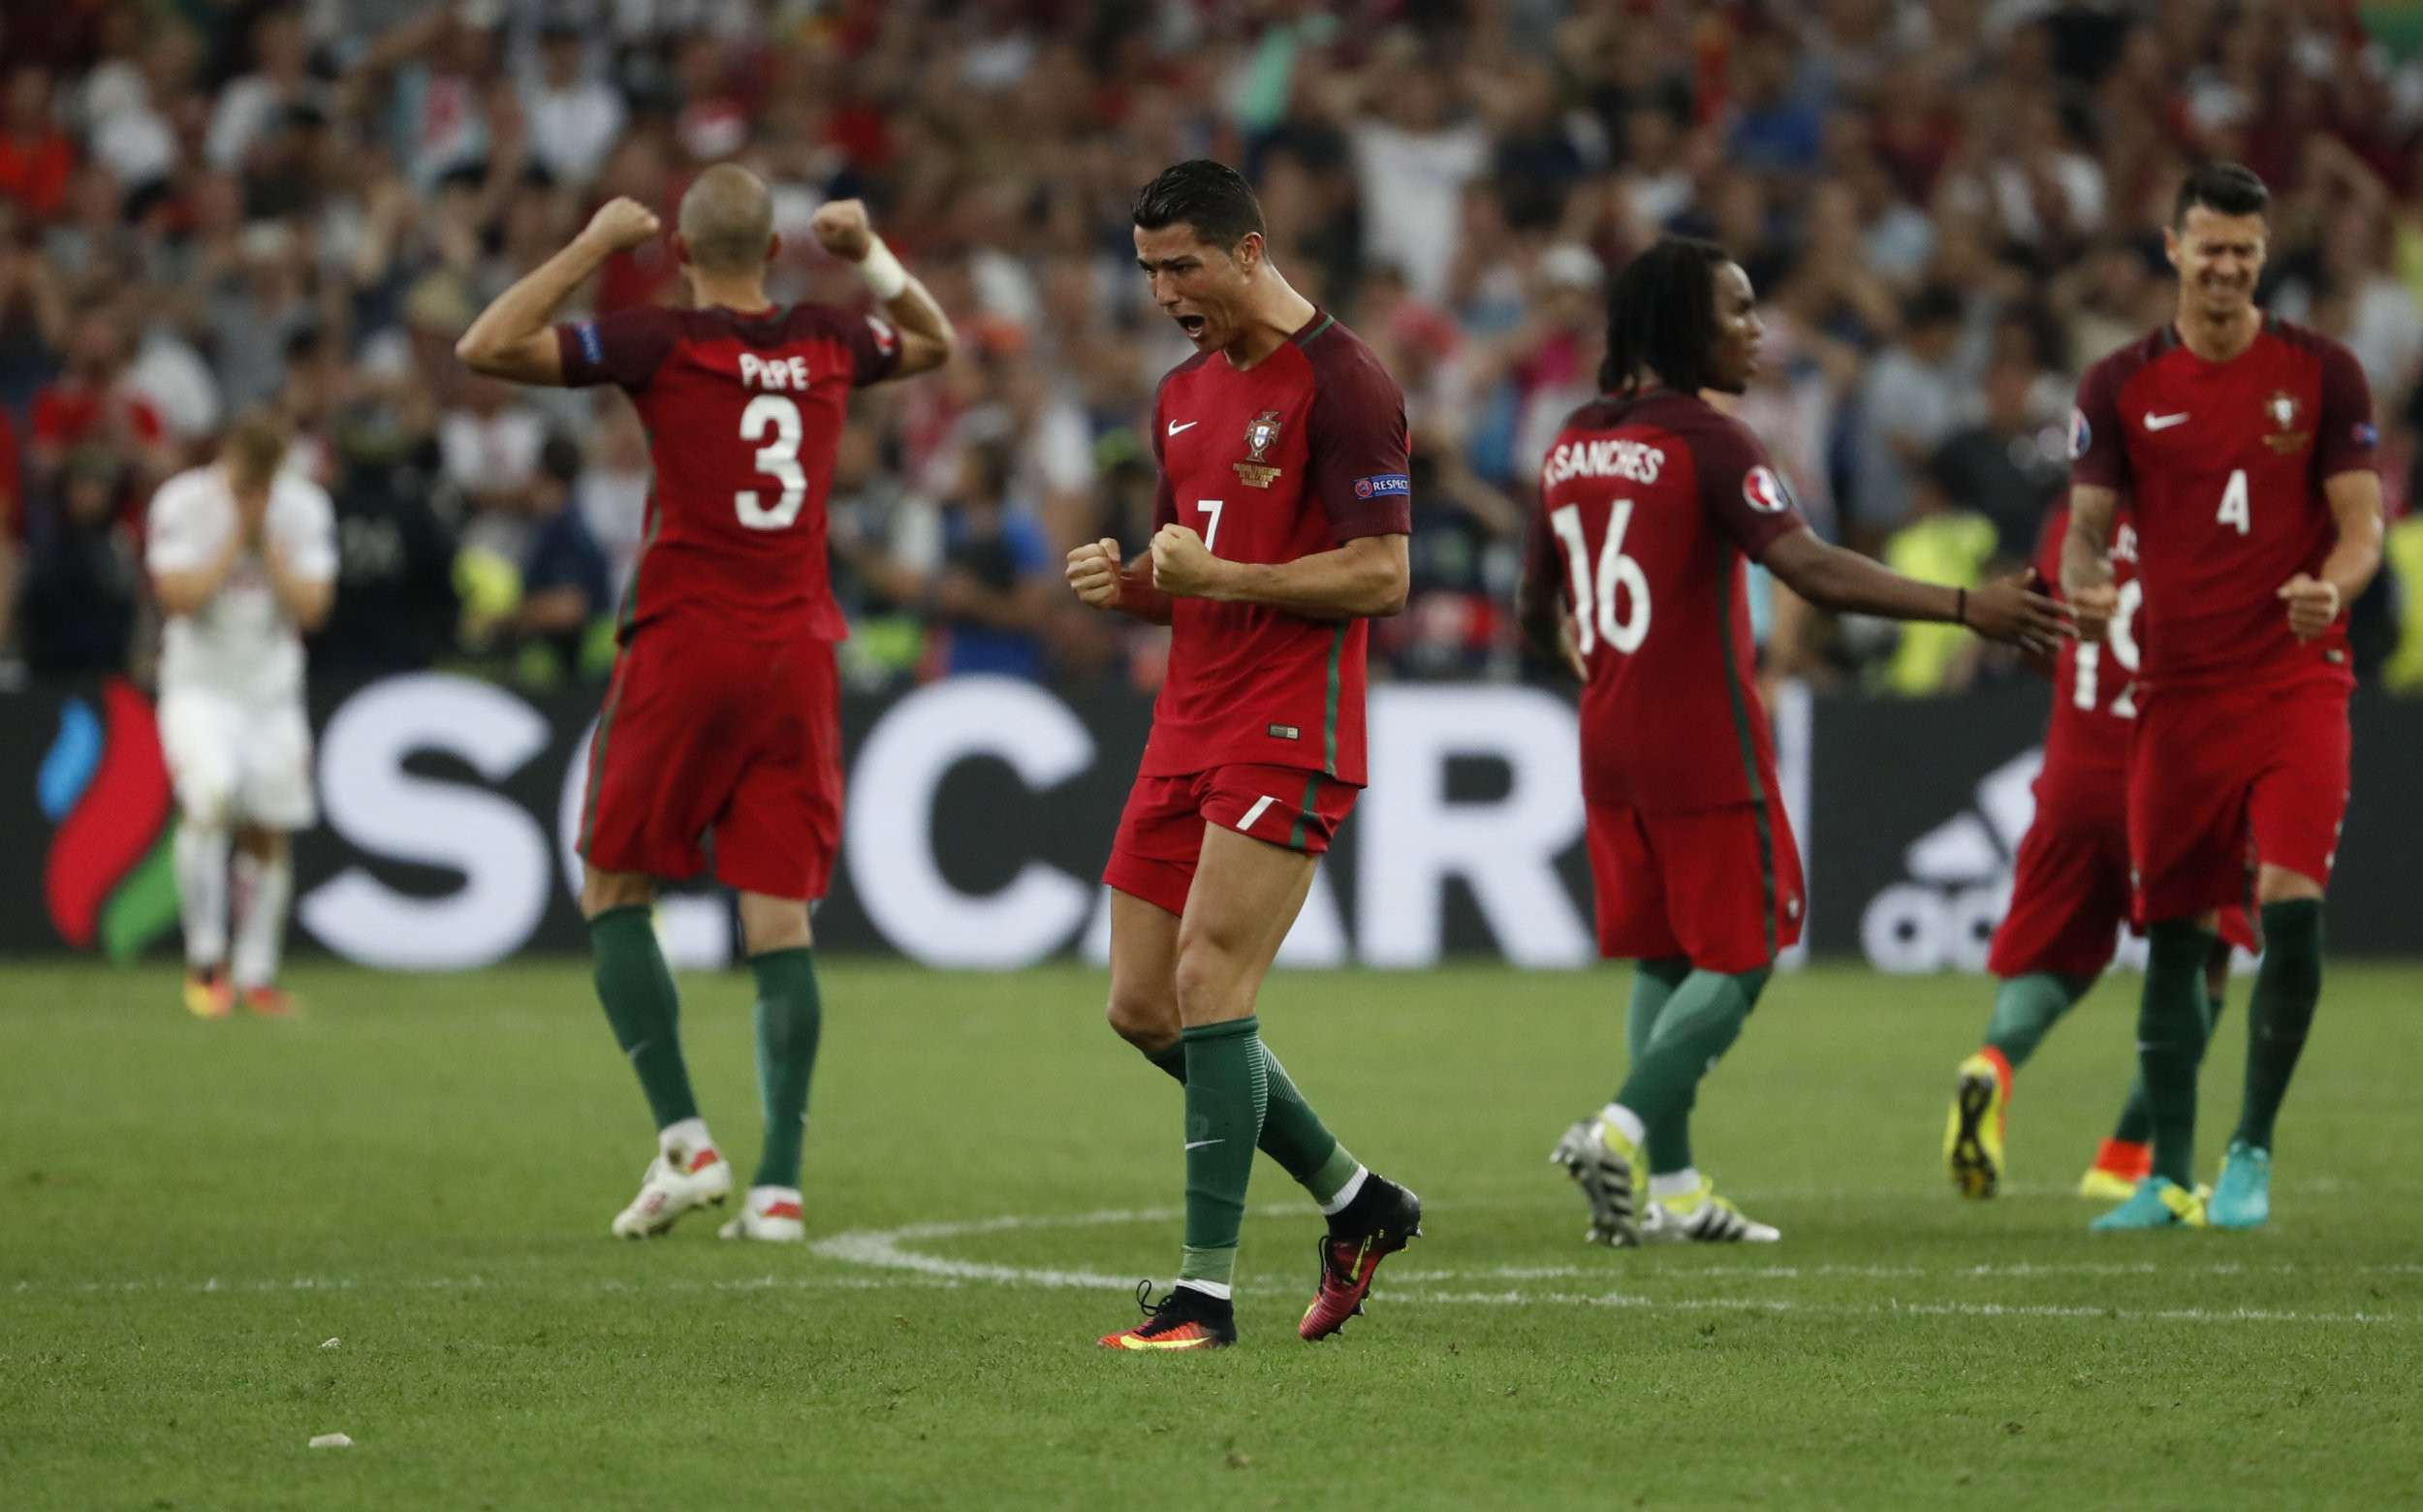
[78, 605]
[563, 572]
[1909, 401]
[396, 606]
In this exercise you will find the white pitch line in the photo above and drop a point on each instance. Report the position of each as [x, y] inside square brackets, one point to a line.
[1887, 1308]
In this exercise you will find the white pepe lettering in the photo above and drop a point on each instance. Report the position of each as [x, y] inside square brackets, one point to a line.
[1635, 461]
[774, 374]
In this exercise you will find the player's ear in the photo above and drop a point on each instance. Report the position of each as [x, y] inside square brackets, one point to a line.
[774, 248]
[681, 249]
[2170, 245]
[1249, 253]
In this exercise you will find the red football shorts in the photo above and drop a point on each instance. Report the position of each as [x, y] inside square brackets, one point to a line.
[1721, 886]
[2069, 898]
[706, 734]
[2219, 779]
[1160, 834]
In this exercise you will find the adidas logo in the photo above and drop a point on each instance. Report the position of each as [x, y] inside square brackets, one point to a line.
[1959, 885]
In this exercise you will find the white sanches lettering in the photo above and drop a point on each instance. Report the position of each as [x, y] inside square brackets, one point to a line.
[1636, 461]
[774, 374]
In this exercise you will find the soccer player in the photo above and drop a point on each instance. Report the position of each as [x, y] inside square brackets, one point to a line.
[242, 556]
[2245, 446]
[723, 716]
[1651, 503]
[1283, 518]
[2069, 899]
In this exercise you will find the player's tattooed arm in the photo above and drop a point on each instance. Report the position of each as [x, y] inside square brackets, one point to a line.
[512, 338]
[2086, 558]
[1101, 581]
[1367, 578]
[926, 340]
[2005, 610]
[2314, 600]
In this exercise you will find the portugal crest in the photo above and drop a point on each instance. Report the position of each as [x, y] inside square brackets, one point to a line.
[2284, 410]
[1261, 435]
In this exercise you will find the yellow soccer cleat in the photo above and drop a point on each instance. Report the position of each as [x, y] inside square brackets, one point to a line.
[207, 995]
[2159, 1202]
[2118, 1166]
[1972, 1135]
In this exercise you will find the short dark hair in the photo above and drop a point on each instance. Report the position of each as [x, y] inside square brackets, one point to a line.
[1661, 316]
[1212, 197]
[2223, 188]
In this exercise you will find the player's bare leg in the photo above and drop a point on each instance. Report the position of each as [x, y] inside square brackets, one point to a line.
[201, 886]
[2286, 987]
[790, 1024]
[637, 989]
[264, 889]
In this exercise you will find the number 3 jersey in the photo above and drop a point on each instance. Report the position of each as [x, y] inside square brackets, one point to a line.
[2224, 465]
[1295, 456]
[1650, 506]
[744, 413]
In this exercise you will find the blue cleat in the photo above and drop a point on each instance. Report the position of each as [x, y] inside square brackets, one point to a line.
[2242, 1194]
[2160, 1203]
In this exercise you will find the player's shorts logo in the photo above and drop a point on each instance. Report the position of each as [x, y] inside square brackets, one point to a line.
[2081, 435]
[1764, 492]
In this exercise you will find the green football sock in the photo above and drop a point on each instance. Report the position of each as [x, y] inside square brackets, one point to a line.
[790, 1021]
[2281, 1014]
[2171, 1035]
[2136, 1121]
[1292, 1133]
[1698, 1025]
[1227, 1091]
[2027, 1007]
[643, 1008]
[1669, 1138]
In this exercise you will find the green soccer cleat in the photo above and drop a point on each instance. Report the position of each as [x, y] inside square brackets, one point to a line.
[2159, 1202]
[2242, 1194]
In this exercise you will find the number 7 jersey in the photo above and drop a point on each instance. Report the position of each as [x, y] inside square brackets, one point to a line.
[1649, 506]
[743, 413]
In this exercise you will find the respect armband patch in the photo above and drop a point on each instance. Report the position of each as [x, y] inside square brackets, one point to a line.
[1384, 485]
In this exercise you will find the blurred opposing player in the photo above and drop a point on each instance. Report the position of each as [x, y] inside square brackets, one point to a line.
[723, 716]
[242, 557]
[2245, 446]
[2069, 896]
[1286, 508]
[1651, 502]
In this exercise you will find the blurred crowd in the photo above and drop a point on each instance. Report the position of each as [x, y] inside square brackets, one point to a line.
[1949, 207]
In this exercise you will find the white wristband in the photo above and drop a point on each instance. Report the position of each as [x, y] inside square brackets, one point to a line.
[883, 271]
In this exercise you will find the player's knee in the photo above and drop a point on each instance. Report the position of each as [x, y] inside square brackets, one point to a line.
[2280, 885]
[1147, 1019]
[601, 891]
[1208, 976]
[770, 924]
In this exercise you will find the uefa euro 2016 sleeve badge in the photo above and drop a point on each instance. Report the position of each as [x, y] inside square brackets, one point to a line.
[1261, 435]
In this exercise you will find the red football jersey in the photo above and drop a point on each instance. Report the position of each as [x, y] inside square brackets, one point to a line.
[2224, 464]
[742, 414]
[1297, 454]
[2094, 690]
[1650, 505]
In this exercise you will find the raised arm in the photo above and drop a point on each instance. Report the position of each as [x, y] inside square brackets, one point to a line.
[1844, 580]
[512, 338]
[1367, 578]
[2315, 601]
[927, 339]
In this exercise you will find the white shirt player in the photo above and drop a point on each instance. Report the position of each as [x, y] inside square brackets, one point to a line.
[241, 644]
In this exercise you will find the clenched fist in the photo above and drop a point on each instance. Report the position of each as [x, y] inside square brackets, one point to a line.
[1182, 565]
[623, 224]
[842, 229]
[2313, 604]
[1094, 573]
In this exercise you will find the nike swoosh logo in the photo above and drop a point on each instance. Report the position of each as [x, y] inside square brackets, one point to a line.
[1198, 1144]
[1175, 427]
[2156, 421]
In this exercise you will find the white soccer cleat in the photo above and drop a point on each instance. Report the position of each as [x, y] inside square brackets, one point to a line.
[771, 1213]
[1701, 1217]
[677, 1181]
[1606, 1166]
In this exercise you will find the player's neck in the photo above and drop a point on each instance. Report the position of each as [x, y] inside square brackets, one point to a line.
[1277, 312]
[740, 297]
[2218, 339]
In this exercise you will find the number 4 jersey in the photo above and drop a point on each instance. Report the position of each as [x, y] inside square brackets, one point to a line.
[2224, 464]
[743, 412]
[1650, 506]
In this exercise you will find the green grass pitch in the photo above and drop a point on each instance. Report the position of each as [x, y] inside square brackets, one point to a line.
[388, 1221]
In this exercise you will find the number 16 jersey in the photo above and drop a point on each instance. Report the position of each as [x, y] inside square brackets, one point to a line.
[743, 412]
[1650, 505]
